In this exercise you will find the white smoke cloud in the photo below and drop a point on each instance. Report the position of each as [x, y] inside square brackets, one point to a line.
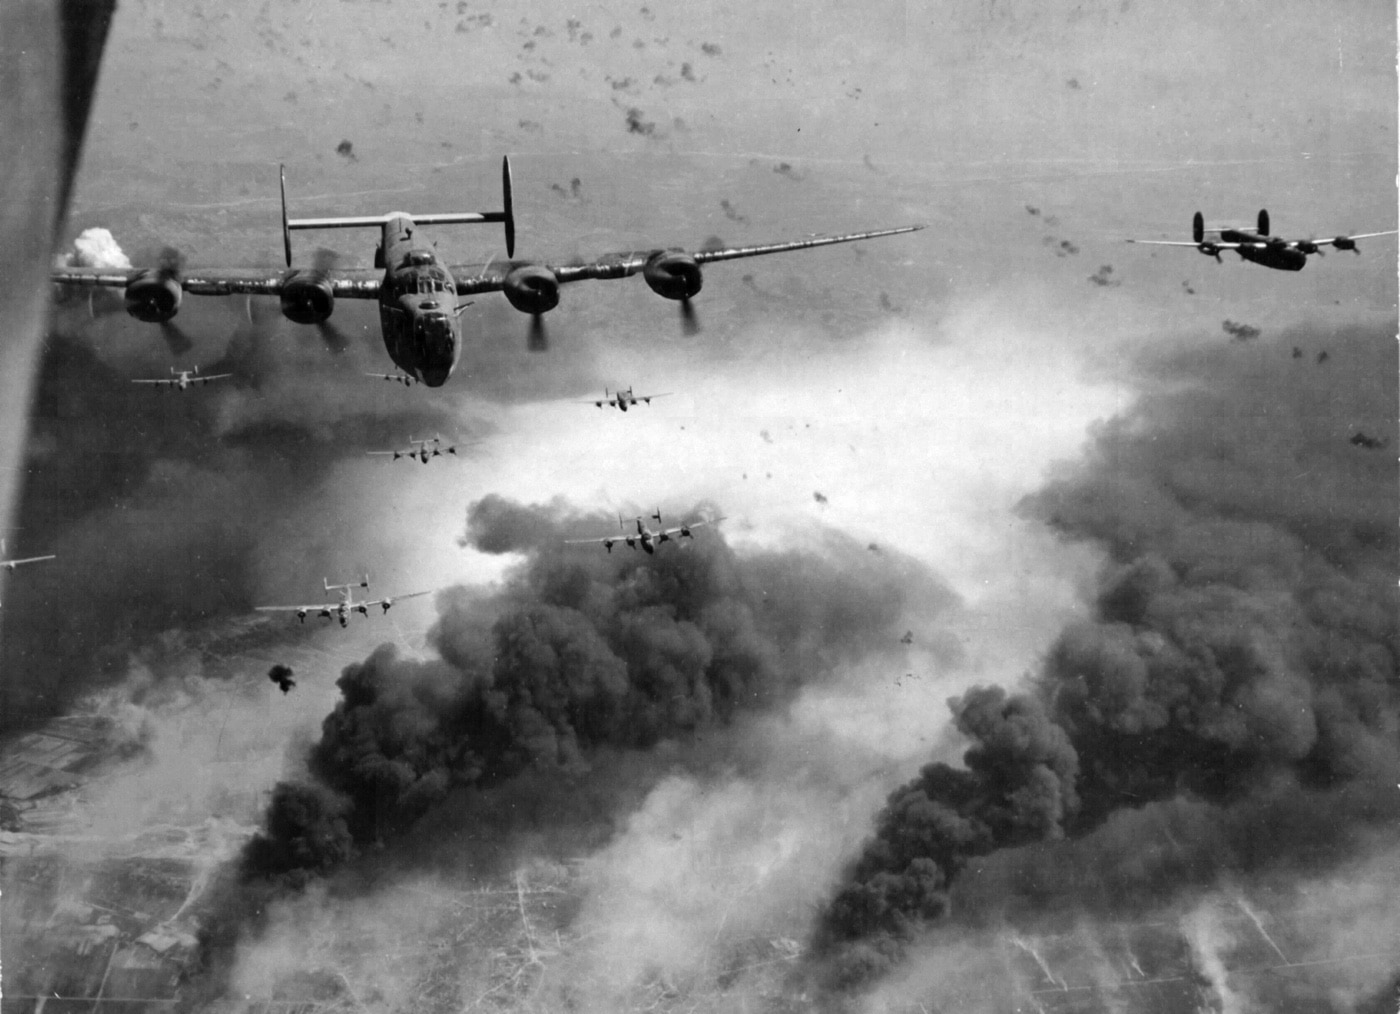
[95, 248]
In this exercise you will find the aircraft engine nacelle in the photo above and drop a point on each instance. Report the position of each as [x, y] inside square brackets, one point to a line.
[153, 296]
[308, 298]
[1344, 243]
[532, 289]
[673, 274]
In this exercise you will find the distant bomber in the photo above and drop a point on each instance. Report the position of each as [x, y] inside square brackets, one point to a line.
[420, 304]
[341, 610]
[1258, 246]
[645, 537]
[12, 564]
[428, 447]
[622, 399]
[183, 379]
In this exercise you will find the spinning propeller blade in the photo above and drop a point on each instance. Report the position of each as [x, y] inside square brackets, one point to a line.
[690, 320]
[539, 337]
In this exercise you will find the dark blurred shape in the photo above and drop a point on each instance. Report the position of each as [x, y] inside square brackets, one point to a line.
[1240, 332]
[49, 56]
[282, 676]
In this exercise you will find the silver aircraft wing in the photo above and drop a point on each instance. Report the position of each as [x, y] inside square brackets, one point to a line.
[694, 524]
[346, 283]
[389, 600]
[1356, 236]
[12, 564]
[491, 277]
[1183, 242]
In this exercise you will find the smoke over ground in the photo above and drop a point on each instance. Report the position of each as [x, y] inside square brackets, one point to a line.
[580, 654]
[1228, 714]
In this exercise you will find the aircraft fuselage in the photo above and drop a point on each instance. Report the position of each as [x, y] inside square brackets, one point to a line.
[1274, 255]
[417, 305]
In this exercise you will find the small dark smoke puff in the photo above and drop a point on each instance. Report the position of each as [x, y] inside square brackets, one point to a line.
[282, 676]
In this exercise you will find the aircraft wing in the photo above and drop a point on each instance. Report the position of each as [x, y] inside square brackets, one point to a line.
[411, 450]
[389, 600]
[12, 564]
[202, 379]
[1182, 242]
[298, 609]
[694, 524]
[1359, 235]
[346, 283]
[172, 381]
[603, 538]
[474, 278]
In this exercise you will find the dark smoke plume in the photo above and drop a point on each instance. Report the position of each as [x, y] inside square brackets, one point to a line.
[1234, 694]
[584, 656]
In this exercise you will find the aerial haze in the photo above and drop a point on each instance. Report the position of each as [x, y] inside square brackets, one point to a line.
[1053, 601]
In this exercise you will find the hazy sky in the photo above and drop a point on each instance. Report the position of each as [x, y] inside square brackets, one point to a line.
[923, 385]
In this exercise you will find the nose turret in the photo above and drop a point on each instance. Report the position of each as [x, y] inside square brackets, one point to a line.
[438, 347]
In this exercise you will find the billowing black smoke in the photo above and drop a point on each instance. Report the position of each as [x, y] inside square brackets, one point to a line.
[1234, 694]
[582, 657]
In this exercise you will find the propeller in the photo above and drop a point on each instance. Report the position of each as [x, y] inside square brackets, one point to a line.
[175, 339]
[539, 338]
[170, 261]
[690, 321]
[335, 340]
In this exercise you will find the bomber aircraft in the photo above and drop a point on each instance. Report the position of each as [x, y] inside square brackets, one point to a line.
[428, 447]
[419, 298]
[12, 564]
[341, 610]
[622, 399]
[1258, 246]
[402, 378]
[183, 379]
[645, 537]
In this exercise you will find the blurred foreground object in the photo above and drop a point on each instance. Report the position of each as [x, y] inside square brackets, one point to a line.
[49, 56]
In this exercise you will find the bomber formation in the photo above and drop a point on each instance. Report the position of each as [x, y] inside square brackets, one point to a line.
[421, 306]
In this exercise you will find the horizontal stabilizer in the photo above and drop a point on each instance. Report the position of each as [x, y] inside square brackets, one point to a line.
[506, 216]
[375, 221]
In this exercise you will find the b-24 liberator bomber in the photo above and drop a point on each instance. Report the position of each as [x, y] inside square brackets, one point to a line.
[423, 450]
[12, 564]
[420, 300]
[402, 378]
[348, 604]
[645, 537]
[623, 399]
[1255, 244]
[182, 379]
